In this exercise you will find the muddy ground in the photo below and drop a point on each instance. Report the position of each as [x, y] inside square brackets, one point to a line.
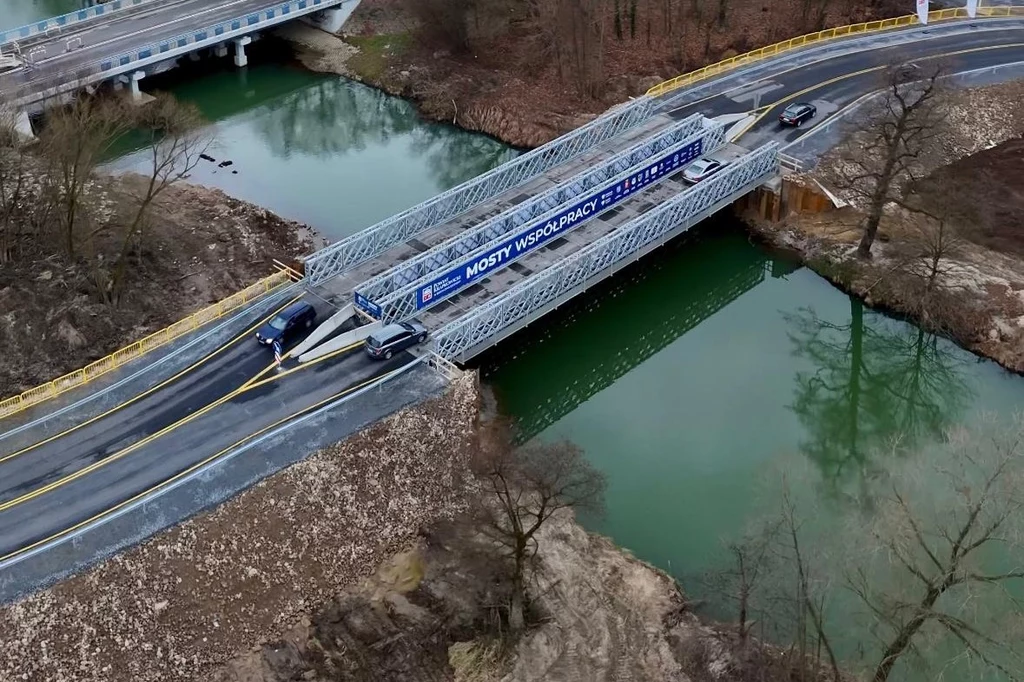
[186, 601]
[978, 300]
[509, 85]
[202, 246]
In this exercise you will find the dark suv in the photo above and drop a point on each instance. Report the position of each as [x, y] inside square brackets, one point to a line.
[287, 323]
[796, 114]
[385, 342]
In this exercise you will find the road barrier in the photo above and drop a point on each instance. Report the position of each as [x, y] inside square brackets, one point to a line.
[820, 37]
[80, 377]
[47, 26]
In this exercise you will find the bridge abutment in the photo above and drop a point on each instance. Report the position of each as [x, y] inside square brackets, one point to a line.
[23, 125]
[241, 59]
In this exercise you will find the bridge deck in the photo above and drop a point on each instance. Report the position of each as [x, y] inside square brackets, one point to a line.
[544, 257]
[340, 289]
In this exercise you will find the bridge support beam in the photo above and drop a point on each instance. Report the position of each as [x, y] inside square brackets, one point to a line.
[240, 57]
[220, 50]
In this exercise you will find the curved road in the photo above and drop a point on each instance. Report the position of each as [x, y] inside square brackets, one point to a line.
[837, 82]
[62, 482]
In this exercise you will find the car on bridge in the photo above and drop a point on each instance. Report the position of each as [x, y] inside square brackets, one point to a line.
[385, 342]
[702, 169]
[287, 323]
[796, 114]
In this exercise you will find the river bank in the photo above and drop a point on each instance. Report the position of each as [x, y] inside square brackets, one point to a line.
[519, 75]
[201, 246]
[977, 297]
[348, 562]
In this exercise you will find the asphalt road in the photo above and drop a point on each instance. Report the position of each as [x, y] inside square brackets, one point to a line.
[834, 83]
[230, 396]
[124, 31]
[235, 394]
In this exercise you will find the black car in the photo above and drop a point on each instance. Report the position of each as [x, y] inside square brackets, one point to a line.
[796, 114]
[287, 323]
[385, 342]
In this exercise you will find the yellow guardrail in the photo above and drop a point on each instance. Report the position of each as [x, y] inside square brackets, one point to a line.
[819, 37]
[80, 377]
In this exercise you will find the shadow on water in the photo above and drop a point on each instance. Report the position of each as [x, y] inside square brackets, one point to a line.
[599, 337]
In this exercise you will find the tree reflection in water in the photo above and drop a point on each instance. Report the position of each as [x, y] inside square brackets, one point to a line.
[335, 116]
[874, 382]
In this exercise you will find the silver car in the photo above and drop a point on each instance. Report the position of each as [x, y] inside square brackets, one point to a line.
[702, 169]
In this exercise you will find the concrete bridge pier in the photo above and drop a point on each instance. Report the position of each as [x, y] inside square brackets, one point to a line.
[220, 50]
[132, 81]
[240, 57]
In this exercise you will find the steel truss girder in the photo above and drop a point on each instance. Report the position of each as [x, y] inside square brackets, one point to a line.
[461, 245]
[617, 248]
[403, 304]
[399, 228]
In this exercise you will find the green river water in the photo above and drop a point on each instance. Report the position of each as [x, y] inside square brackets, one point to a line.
[689, 379]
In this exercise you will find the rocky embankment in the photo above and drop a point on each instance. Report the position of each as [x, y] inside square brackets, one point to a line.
[325, 571]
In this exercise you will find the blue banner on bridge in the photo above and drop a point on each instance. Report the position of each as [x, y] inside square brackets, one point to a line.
[368, 306]
[539, 233]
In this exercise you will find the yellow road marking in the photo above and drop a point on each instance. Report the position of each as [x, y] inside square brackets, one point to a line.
[769, 107]
[124, 452]
[191, 469]
[150, 391]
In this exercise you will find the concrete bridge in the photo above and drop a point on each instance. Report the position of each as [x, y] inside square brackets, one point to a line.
[123, 41]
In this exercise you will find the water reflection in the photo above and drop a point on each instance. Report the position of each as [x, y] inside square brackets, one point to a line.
[873, 380]
[596, 339]
[334, 117]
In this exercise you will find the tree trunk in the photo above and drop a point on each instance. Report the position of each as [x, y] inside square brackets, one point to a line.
[516, 621]
[903, 638]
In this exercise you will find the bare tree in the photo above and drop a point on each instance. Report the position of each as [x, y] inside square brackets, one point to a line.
[14, 180]
[74, 142]
[936, 214]
[520, 489]
[750, 566]
[948, 544]
[177, 138]
[883, 150]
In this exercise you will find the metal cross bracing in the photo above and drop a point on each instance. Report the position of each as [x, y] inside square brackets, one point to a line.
[528, 300]
[707, 137]
[445, 254]
[378, 238]
[576, 382]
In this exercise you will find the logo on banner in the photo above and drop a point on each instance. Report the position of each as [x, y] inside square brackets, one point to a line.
[428, 293]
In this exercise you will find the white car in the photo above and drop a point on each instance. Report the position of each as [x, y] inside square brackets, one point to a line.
[702, 169]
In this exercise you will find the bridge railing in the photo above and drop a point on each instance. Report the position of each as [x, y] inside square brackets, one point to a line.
[381, 237]
[759, 54]
[48, 26]
[467, 242]
[62, 80]
[80, 377]
[628, 172]
[529, 299]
